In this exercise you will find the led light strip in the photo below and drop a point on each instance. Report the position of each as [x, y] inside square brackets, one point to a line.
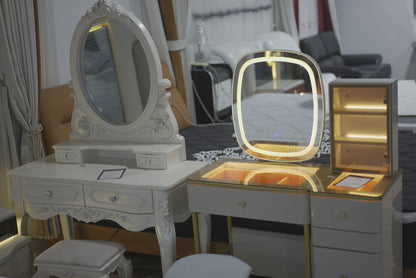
[363, 107]
[306, 173]
[366, 136]
[315, 106]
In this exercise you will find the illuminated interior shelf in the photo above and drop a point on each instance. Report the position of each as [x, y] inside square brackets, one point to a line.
[260, 174]
[353, 112]
[362, 120]
[342, 139]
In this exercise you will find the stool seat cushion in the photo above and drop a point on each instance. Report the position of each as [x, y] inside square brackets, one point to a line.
[209, 266]
[80, 253]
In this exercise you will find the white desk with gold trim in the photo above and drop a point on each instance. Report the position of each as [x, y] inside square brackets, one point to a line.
[347, 232]
[138, 200]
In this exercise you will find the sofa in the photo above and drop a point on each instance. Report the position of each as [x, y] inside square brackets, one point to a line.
[324, 48]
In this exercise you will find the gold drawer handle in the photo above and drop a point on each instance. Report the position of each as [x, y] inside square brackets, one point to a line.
[242, 204]
[48, 194]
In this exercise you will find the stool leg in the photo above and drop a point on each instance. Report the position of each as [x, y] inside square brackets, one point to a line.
[124, 269]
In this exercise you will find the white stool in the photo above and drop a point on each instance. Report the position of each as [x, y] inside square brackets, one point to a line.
[208, 266]
[83, 258]
[15, 257]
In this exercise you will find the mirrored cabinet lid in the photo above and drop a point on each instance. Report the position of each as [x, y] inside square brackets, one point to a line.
[278, 105]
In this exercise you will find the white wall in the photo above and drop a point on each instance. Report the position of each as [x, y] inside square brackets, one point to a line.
[382, 26]
[57, 21]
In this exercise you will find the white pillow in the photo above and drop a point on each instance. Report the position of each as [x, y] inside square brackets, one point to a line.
[278, 40]
[232, 52]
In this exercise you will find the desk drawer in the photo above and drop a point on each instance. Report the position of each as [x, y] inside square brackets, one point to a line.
[125, 200]
[53, 193]
[330, 263]
[346, 214]
[263, 205]
[354, 241]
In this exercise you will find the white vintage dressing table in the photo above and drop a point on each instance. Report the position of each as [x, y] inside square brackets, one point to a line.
[125, 160]
[138, 200]
[347, 208]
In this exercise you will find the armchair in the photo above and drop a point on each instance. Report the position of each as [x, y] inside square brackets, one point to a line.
[324, 48]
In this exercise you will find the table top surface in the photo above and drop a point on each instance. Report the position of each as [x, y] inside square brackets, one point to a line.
[88, 173]
[315, 179]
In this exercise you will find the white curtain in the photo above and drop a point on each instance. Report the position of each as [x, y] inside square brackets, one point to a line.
[8, 151]
[183, 18]
[285, 20]
[153, 21]
[154, 24]
[17, 18]
[334, 18]
[20, 94]
[19, 85]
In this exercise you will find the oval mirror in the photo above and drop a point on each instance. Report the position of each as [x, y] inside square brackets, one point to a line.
[117, 79]
[121, 103]
[115, 72]
[278, 105]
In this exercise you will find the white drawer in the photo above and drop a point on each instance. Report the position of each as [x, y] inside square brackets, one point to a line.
[346, 214]
[354, 241]
[67, 156]
[333, 263]
[264, 205]
[125, 200]
[46, 192]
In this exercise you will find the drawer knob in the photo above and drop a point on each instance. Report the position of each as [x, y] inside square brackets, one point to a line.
[113, 199]
[343, 276]
[242, 204]
[48, 194]
[148, 162]
[342, 215]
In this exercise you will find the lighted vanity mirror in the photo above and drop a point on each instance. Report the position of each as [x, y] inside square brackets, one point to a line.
[122, 109]
[278, 105]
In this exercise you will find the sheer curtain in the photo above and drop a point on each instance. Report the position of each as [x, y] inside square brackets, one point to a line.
[153, 21]
[334, 18]
[284, 13]
[20, 84]
[8, 150]
[182, 12]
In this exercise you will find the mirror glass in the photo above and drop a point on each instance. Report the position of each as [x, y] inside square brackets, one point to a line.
[278, 109]
[115, 71]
